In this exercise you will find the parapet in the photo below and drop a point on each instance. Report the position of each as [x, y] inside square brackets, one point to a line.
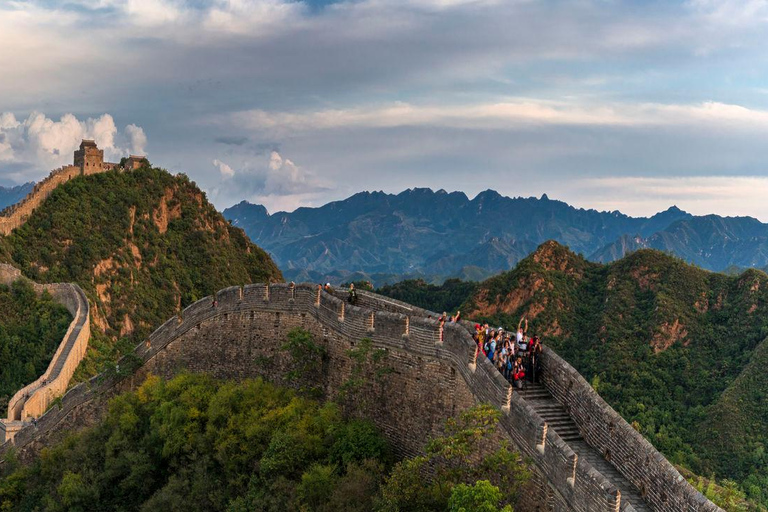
[34, 399]
[397, 326]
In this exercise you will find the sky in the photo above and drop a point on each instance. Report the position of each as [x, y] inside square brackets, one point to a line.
[632, 106]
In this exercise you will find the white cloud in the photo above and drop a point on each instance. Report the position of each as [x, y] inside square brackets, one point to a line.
[225, 170]
[137, 139]
[274, 181]
[40, 144]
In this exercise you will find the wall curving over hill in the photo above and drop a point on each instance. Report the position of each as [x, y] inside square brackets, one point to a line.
[34, 399]
[17, 214]
[435, 374]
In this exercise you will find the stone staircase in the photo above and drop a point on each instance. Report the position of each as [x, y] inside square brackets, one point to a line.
[558, 419]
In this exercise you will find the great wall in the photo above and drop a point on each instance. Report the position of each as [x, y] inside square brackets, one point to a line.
[436, 374]
[89, 159]
[33, 400]
[586, 457]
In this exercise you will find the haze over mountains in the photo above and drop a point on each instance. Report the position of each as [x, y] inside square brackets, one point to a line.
[435, 234]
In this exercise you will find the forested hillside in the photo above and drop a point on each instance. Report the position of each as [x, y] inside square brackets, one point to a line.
[195, 443]
[680, 352]
[142, 244]
[438, 298]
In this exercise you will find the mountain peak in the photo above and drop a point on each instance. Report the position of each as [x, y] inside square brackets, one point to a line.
[487, 194]
[554, 256]
[673, 210]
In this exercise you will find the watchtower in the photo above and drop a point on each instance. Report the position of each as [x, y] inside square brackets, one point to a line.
[89, 158]
[134, 162]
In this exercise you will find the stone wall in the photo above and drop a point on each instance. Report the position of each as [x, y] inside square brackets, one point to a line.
[17, 214]
[661, 485]
[34, 399]
[435, 375]
[88, 160]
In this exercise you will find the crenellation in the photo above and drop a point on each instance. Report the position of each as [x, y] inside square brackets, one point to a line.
[430, 381]
[34, 399]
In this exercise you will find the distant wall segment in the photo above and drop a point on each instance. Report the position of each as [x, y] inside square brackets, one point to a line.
[35, 398]
[89, 159]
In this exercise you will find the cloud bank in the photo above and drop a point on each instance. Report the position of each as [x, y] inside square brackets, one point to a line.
[38, 142]
[271, 180]
[527, 97]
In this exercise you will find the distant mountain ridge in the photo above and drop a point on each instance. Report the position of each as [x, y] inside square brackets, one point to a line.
[12, 195]
[436, 234]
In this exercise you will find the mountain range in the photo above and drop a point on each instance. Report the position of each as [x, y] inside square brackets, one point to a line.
[12, 195]
[421, 233]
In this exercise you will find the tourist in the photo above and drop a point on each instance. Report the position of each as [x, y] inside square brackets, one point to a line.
[520, 331]
[352, 294]
[534, 350]
[516, 356]
[518, 373]
[492, 347]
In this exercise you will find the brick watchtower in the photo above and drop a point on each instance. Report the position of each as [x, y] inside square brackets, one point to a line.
[89, 158]
[135, 162]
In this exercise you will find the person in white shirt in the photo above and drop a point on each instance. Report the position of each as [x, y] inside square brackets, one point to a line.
[520, 331]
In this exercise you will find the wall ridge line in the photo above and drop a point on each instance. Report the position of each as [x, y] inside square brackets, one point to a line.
[579, 483]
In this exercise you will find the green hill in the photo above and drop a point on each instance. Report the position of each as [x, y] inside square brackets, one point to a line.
[678, 351]
[142, 244]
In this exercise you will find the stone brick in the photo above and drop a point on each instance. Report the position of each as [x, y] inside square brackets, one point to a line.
[432, 378]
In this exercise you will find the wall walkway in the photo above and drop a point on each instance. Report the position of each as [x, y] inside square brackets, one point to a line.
[34, 399]
[246, 327]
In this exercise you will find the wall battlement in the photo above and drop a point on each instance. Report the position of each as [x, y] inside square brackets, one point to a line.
[89, 159]
[34, 399]
[227, 337]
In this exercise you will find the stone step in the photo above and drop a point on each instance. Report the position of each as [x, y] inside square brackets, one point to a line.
[558, 419]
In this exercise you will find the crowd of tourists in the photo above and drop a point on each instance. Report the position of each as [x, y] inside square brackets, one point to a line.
[516, 355]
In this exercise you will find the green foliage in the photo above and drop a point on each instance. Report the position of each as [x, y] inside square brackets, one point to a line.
[31, 328]
[142, 244]
[306, 360]
[480, 497]
[368, 368]
[679, 352]
[358, 441]
[725, 494]
[470, 450]
[446, 297]
[195, 443]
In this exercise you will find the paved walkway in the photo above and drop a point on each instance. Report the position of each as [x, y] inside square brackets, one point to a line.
[558, 419]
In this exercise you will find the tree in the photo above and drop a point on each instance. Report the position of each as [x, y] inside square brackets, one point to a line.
[480, 497]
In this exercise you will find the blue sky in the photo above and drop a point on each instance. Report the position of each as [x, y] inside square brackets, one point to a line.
[605, 104]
